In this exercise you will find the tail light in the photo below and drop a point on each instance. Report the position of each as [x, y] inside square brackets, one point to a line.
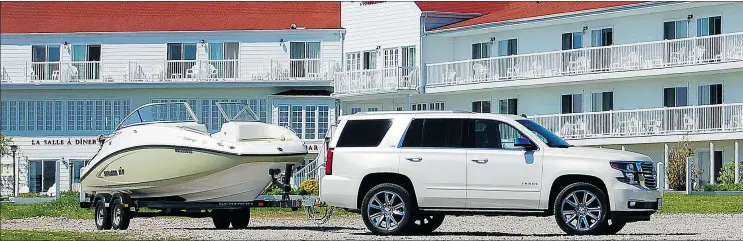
[329, 162]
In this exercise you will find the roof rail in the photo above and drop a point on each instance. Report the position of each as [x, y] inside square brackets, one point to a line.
[413, 112]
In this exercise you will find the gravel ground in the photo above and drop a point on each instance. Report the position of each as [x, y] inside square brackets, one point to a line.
[676, 226]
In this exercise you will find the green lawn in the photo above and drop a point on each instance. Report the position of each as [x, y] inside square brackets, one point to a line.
[48, 235]
[68, 206]
[682, 203]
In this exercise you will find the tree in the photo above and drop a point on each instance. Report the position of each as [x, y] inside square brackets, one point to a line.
[4, 145]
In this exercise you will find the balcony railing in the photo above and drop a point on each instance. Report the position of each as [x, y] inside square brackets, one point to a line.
[386, 80]
[171, 70]
[616, 58]
[645, 122]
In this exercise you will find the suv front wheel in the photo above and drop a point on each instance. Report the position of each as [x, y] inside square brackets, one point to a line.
[581, 209]
[387, 209]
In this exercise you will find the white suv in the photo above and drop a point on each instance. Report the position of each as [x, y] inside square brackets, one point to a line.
[404, 171]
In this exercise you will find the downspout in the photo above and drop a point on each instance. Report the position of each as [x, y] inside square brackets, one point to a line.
[338, 103]
[422, 78]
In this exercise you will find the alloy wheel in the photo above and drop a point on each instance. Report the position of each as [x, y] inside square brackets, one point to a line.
[581, 210]
[386, 210]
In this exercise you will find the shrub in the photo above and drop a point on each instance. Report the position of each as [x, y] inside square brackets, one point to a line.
[312, 186]
[724, 187]
[676, 167]
[727, 173]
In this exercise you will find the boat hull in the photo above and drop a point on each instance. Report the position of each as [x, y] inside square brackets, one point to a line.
[194, 175]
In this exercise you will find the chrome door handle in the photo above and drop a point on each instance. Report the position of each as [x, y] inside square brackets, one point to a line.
[414, 159]
[480, 161]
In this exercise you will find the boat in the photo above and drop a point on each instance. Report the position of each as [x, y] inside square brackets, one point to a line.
[160, 151]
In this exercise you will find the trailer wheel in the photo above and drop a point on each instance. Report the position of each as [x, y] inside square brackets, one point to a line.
[221, 218]
[102, 216]
[119, 215]
[240, 218]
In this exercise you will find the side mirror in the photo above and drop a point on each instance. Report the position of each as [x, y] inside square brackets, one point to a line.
[523, 142]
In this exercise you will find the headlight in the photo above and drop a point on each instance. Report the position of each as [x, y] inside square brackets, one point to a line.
[629, 171]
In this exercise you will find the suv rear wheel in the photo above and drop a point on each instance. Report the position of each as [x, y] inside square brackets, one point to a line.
[387, 209]
[581, 209]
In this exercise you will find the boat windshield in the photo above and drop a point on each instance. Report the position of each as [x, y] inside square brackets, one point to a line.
[159, 113]
[236, 111]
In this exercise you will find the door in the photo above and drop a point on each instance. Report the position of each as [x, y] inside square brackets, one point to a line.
[499, 174]
[432, 155]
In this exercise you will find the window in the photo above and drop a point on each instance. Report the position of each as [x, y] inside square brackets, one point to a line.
[439, 105]
[85, 58]
[675, 29]
[45, 60]
[76, 166]
[710, 94]
[572, 40]
[408, 57]
[181, 56]
[602, 37]
[372, 109]
[223, 56]
[509, 106]
[603, 101]
[482, 106]
[353, 61]
[355, 110]
[391, 56]
[31, 115]
[507, 47]
[493, 134]
[363, 133]
[308, 121]
[41, 175]
[435, 133]
[370, 59]
[305, 58]
[675, 97]
[572, 103]
[482, 50]
[709, 26]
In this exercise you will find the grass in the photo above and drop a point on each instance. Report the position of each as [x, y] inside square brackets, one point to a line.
[49, 235]
[68, 206]
[682, 203]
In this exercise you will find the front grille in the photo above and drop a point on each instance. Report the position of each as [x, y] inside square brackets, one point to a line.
[648, 173]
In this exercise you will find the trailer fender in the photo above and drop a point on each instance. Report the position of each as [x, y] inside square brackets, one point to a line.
[103, 196]
[125, 199]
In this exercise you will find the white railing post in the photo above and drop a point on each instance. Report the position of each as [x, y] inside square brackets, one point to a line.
[660, 178]
[737, 162]
[688, 175]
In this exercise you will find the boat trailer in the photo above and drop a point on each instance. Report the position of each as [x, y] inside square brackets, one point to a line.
[115, 210]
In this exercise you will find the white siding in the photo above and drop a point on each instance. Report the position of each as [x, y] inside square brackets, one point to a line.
[628, 94]
[13, 59]
[388, 24]
[629, 28]
[128, 57]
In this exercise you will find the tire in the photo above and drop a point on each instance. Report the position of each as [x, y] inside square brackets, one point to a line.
[615, 226]
[120, 216]
[597, 209]
[400, 209]
[425, 224]
[102, 216]
[240, 218]
[221, 218]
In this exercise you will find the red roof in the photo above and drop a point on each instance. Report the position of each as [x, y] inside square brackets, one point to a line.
[114, 16]
[519, 10]
[461, 7]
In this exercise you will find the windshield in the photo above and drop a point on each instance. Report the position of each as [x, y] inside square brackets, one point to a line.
[158, 113]
[236, 111]
[546, 136]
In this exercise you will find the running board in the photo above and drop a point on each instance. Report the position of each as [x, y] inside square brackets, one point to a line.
[485, 212]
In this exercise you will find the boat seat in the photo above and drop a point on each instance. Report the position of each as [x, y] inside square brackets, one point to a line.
[253, 131]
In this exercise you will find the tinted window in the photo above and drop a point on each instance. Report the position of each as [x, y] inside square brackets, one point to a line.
[492, 134]
[435, 133]
[363, 133]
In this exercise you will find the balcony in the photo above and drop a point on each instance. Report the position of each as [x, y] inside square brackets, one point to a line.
[695, 51]
[141, 71]
[688, 120]
[375, 81]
